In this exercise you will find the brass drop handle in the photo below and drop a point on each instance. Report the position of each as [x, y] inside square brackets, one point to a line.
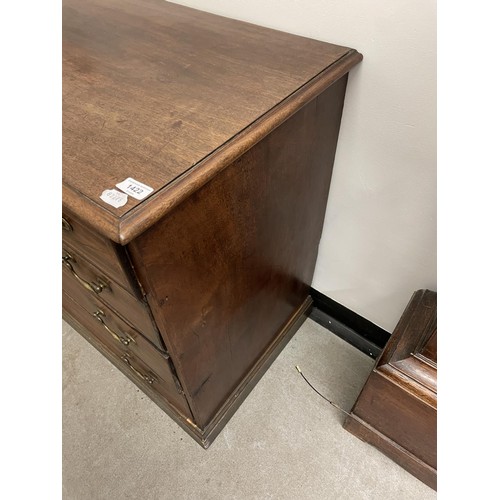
[66, 225]
[92, 287]
[124, 339]
[148, 378]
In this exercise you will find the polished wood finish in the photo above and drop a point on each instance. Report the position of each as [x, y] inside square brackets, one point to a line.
[105, 254]
[397, 409]
[206, 437]
[134, 309]
[259, 367]
[152, 89]
[235, 128]
[93, 303]
[142, 355]
[225, 268]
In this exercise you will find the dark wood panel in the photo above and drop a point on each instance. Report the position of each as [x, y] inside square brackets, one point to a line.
[139, 100]
[429, 348]
[185, 423]
[230, 265]
[243, 389]
[420, 371]
[105, 254]
[143, 360]
[417, 324]
[137, 315]
[135, 310]
[395, 372]
[400, 416]
[397, 408]
[150, 88]
[392, 449]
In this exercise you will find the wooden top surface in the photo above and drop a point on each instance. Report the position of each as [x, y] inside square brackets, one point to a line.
[152, 89]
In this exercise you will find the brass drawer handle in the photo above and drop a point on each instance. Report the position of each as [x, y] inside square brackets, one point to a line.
[66, 225]
[92, 287]
[124, 339]
[148, 378]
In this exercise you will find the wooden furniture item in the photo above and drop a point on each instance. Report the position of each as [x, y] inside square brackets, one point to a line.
[397, 409]
[193, 273]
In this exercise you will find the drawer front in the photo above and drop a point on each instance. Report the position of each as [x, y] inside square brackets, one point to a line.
[141, 360]
[83, 278]
[102, 252]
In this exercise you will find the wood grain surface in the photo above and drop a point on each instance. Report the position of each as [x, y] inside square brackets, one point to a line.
[397, 409]
[228, 267]
[134, 310]
[150, 89]
[104, 254]
[141, 355]
[234, 127]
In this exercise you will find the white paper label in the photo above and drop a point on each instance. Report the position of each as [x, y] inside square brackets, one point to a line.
[114, 198]
[134, 188]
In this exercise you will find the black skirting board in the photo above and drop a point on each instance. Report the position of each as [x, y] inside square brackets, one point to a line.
[346, 324]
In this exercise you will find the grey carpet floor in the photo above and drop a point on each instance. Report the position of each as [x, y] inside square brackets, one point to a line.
[284, 442]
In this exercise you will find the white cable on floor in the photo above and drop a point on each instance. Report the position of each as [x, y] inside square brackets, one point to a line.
[335, 405]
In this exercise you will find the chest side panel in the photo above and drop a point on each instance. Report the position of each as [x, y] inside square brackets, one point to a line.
[228, 267]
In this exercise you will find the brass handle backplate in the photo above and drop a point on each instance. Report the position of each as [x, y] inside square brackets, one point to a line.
[123, 339]
[66, 225]
[92, 287]
[148, 378]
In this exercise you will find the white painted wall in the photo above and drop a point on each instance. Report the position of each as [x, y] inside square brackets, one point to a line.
[379, 237]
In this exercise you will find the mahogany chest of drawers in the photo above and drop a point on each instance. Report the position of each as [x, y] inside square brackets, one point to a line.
[197, 157]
